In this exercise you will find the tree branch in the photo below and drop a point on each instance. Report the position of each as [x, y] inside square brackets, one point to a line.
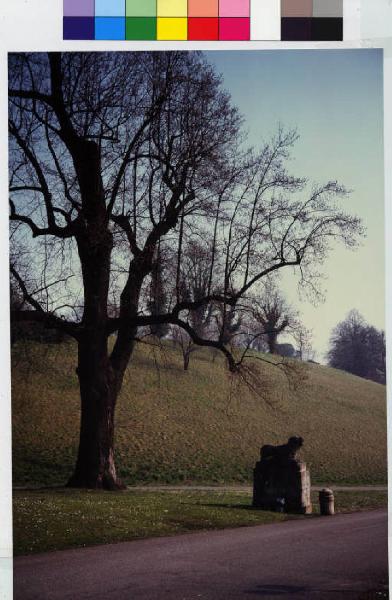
[39, 314]
[31, 95]
[123, 222]
[53, 228]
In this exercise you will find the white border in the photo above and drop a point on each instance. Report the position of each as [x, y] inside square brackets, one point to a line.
[37, 25]
[5, 375]
[352, 20]
[388, 257]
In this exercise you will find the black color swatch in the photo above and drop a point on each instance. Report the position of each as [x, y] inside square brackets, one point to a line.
[327, 29]
[314, 29]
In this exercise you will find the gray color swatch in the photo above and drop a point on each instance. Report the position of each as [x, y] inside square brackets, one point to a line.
[328, 8]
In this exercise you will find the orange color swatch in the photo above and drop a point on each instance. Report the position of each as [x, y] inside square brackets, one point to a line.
[203, 8]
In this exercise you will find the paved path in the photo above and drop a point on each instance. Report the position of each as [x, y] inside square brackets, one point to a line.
[322, 558]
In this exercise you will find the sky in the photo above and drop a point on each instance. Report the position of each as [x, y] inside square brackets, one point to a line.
[335, 100]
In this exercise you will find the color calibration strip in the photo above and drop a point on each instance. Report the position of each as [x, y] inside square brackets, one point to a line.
[208, 20]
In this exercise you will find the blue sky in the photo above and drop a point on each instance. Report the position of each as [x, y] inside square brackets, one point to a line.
[335, 99]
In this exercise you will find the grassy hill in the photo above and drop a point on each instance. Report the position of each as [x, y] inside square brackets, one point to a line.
[200, 425]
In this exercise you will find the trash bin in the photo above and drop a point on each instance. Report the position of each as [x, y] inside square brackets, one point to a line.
[327, 502]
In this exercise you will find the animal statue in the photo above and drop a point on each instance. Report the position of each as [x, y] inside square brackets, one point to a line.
[284, 452]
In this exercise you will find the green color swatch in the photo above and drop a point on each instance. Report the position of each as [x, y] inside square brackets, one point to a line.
[141, 28]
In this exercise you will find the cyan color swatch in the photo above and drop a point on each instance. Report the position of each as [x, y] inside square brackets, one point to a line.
[110, 28]
[110, 8]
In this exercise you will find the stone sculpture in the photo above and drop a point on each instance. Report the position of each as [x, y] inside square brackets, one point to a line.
[282, 481]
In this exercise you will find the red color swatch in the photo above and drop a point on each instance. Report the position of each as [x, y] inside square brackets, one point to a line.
[200, 28]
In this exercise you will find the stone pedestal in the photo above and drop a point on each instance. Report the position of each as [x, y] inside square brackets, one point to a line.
[327, 502]
[282, 478]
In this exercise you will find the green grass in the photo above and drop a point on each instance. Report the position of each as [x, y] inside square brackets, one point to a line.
[63, 519]
[54, 520]
[197, 426]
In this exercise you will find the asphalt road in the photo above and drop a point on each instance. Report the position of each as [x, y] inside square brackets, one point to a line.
[321, 558]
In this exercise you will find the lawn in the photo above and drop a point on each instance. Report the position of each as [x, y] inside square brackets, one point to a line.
[196, 426]
[47, 520]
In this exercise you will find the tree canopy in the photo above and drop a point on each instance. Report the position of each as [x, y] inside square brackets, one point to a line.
[358, 348]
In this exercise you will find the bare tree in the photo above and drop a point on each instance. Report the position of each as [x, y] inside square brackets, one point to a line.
[228, 321]
[157, 298]
[110, 156]
[303, 339]
[193, 267]
[273, 315]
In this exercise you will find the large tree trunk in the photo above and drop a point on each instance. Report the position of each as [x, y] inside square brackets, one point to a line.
[99, 382]
[99, 387]
[100, 376]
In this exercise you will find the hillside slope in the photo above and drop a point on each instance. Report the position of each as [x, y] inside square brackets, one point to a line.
[198, 425]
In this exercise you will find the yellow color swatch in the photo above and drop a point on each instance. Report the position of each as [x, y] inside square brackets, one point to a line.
[172, 29]
[172, 8]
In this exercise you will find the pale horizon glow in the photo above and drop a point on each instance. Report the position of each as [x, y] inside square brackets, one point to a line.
[335, 100]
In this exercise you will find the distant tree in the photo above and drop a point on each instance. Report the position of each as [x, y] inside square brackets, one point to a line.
[377, 344]
[252, 338]
[16, 304]
[228, 322]
[303, 339]
[16, 299]
[227, 327]
[273, 314]
[30, 330]
[157, 303]
[258, 343]
[358, 348]
[193, 275]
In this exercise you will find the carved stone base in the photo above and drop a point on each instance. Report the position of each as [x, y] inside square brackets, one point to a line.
[287, 479]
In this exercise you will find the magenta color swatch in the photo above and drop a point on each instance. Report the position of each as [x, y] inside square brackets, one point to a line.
[234, 8]
[234, 29]
[79, 8]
